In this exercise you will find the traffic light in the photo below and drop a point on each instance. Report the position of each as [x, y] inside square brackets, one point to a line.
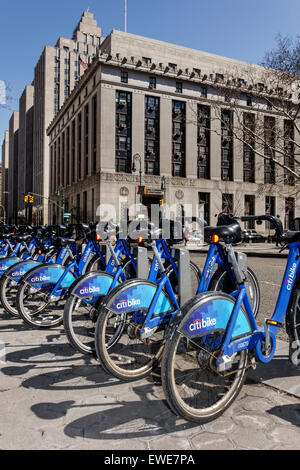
[161, 202]
[28, 199]
[141, 190]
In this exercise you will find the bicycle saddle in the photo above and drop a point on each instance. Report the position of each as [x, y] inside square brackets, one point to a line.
[228, 233]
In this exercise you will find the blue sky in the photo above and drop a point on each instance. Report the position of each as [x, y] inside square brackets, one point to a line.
[241, 29]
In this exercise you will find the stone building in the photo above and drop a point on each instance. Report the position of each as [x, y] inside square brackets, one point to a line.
[163, 107]
[55, 75]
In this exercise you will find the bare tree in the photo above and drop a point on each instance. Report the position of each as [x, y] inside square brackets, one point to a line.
[259, 106]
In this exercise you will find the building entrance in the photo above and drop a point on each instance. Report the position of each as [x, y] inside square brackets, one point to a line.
[151, 199]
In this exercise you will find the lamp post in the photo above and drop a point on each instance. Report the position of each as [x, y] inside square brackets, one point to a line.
[61, 190]
[137, 157]
[163, 188]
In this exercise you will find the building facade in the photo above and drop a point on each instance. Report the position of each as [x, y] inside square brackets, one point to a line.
[163, 107]
[13, 192]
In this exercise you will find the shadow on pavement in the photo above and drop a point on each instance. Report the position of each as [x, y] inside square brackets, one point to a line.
[289, 413]
[119, 419]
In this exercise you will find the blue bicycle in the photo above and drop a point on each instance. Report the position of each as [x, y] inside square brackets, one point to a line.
[215, 338]
[48, 251]
[42, 290]
[145, 308]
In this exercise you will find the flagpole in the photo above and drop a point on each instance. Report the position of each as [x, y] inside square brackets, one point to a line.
[125, 16]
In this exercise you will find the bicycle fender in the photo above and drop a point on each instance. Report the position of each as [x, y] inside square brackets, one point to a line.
[46, 274]
[19, 269]
[92, 284]
[138, 295]
[7, 263]
[211, 313]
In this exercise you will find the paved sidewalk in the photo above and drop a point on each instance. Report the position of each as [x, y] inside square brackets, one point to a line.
[54, 398]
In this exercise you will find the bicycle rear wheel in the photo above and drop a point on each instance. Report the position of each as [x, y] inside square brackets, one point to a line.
[194, 388]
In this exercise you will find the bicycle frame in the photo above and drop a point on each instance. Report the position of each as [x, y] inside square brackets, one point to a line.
[215, 256]
[254, 338]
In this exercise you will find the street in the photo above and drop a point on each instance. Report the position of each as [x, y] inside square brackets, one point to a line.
[54, 398]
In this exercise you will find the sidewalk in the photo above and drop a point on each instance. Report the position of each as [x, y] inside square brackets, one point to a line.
[279, 373]
[266, 250]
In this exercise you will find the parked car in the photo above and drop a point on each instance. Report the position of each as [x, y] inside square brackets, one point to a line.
[253, 236]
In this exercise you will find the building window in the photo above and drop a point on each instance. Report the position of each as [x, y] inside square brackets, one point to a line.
[249, 210]
[249, 100]
[94, 117]
[269, 151]
[248, 148]
[227, 203]
[73, 151]
[123, 131]
[79, 129]
[203, 91]
[226, 145]
[178, 139]
[204, 202]
[68, 157]
[203, 142]
[58, 160]
[270, 209]
[124, 77]
[289, 213]
[86, 140]
[152, 82]
[62, 183]
[151, 135]
[179, 87]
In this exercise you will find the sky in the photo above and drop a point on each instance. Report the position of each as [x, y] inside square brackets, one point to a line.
[240, 29]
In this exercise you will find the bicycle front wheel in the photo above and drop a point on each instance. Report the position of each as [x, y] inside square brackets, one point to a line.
[194, 388]
[35, 308]
[124, 355]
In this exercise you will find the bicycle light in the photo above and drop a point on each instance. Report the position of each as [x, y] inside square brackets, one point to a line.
[215, 238]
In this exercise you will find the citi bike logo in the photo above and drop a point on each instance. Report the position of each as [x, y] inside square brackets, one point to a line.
[40, 278]
[200, 324]
[89, 290]
[128, 303]
[17, 273]
[291, 276]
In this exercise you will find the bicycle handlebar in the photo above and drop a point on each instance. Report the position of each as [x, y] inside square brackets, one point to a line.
[274, 221]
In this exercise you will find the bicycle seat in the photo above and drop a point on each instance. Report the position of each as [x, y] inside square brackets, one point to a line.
[228, 233]
[23, 238]
[291, 236]
[64, 241]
